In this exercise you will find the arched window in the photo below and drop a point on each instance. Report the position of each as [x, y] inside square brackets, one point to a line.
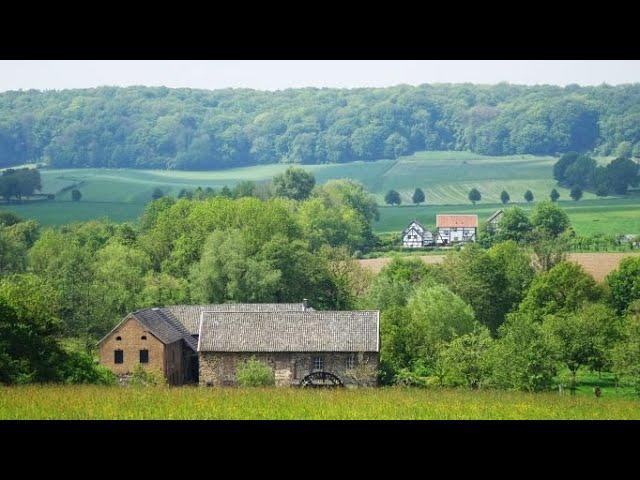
[118, 338]
[144, 337]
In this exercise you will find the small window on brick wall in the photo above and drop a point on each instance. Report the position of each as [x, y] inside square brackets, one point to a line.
[144, 356]
[118, 338]
[143, 337]
[118, 356]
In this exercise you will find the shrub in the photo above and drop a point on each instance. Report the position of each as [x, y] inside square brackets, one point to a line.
[145, 378]
[254, 373]
[81, 367]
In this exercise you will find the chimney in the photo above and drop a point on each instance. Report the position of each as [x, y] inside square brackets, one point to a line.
[305, 303]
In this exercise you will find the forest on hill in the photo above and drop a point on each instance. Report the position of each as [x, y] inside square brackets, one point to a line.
[187, 129]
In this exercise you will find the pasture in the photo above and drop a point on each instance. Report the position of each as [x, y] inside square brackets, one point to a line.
[445, 177]
[610, 216]
[95, 402]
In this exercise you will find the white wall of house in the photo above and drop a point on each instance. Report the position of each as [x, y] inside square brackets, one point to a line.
[455, 235]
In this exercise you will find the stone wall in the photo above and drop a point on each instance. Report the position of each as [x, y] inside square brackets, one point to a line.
[218, 369]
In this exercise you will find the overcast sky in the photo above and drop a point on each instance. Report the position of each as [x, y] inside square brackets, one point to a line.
[280, 74]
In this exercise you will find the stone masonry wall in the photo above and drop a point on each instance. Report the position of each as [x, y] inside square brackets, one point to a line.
[218, 369]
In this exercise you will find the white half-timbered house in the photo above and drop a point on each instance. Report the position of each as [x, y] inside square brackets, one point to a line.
[416, 236]
[456, 229]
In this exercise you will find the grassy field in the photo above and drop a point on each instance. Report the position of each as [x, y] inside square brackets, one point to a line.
[446, 178]
[92, 402]
[611, 216]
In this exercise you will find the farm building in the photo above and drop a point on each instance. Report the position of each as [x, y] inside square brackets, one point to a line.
[456, 228]
[205, 343]
[494, 220]
[416, 236]
[296, 345]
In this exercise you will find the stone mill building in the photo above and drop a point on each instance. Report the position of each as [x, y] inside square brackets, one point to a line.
[205, 344]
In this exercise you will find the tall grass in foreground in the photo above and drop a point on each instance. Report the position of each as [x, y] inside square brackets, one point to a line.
[93, 402]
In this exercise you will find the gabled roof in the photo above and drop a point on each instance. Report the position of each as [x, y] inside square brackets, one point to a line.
[310, 331]
[494, 215]
[162, 325]
[456, 221]
[411, 223]
[189, 315]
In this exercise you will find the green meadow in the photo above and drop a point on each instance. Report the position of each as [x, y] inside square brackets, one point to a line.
[445, 177]
[612, 216]
[95, 402]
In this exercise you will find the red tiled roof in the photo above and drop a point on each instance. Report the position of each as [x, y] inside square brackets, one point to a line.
[452, 221]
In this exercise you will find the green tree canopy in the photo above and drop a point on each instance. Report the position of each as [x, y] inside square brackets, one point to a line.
[295, 183]
[624, 283]
[528, 196]
[392, 198]
[563, 289]
[418, 196]
[550, 218]
[474, 195]
[576, 193]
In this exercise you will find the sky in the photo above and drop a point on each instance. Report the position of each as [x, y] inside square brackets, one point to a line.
[281, 74]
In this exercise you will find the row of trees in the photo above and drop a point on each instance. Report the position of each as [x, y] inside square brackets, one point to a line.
[393, 197]
[157, 127]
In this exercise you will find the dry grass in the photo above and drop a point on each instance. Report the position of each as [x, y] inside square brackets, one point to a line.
[597, 264]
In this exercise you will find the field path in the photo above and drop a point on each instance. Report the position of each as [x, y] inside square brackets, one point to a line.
[596, 264]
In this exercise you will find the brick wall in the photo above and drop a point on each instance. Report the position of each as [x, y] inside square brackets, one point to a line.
[131, 342]
[219, 368]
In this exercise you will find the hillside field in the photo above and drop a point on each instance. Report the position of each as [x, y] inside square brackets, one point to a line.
[94, 402]
[446, 178]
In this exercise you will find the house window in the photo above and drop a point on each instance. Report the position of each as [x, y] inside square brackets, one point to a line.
[144, 356]
[351, 361]
[118, 338]
[318, 363]
[118, 356]
[143, 337]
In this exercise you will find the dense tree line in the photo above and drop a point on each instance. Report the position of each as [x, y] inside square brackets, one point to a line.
[582, 172]
[19, 183]
[158, 127]
[488, 318]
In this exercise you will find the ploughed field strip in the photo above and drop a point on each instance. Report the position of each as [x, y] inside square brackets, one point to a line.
[599, 265]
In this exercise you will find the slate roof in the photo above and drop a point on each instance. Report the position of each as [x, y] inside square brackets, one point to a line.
[457, 221]
[189, 315]
[494, 215]
[309, 331]
[164, 326]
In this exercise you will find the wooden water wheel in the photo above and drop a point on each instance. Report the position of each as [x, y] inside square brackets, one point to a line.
[321, 380]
